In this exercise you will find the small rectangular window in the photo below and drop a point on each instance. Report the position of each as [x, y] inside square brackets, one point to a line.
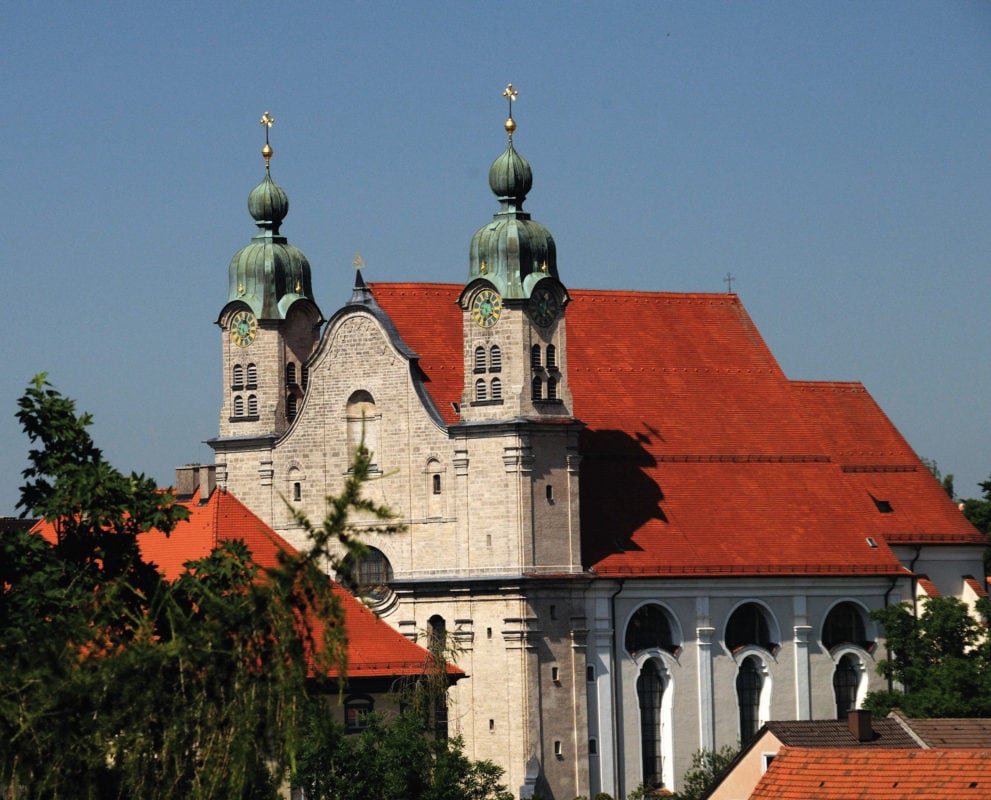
[297, 492]
[556, 674]
[549, 491]
[593, 747]
[590, 674]
[558, 749]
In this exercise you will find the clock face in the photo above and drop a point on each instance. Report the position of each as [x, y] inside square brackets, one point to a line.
[544, 306]
[486, 308]
[244, 328]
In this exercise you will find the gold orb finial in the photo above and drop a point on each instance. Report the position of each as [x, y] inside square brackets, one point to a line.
[358, 262]
[510, 93]
[267, 121]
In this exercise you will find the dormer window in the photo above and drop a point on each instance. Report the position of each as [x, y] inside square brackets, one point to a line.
[479, 359]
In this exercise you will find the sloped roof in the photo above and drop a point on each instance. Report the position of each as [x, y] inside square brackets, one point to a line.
[693, 431]
[374, 648]
[878, 774]
[949, 732]
[836, 733]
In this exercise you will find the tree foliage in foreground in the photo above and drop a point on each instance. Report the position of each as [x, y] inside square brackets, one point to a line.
[707, 767]
[117, 683]
[941, 659]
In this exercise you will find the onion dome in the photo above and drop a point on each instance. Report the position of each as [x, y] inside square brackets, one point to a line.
[269, 275]
[513, 252]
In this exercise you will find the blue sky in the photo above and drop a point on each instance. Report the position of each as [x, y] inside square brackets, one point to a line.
[834, 157]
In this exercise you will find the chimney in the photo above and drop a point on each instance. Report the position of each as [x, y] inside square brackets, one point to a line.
[859, 721]
[187, 478]
[207, 481]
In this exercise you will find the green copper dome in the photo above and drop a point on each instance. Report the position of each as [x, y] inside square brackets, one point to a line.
[269, 274]
[513, 252]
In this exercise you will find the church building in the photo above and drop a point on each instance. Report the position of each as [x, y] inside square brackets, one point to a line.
[642, 538]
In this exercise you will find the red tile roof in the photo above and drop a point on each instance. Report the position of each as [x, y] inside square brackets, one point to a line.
[374, 648]
[877, 774]
[694, 431]
[975, 586]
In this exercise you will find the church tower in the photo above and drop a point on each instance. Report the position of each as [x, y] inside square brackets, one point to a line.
[513, 306]
[517, 432]
[270, 324]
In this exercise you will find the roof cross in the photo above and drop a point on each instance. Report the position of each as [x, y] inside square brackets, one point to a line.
[510, 93]
[728, 280]
[267, 121]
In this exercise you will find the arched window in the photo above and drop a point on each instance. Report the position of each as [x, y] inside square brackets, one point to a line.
[238, 406]
[845, 625]
[551, 389]
[435, 488]
[291, 407]
[357, 712]
[435, 483]
[649, 628]
[252, 405]
[749, 682]
[237, 378]
[551, 357]
[290, 374]
[479, 359]
[496, 389]
[650, 693]
[535, 361]
[305, 375]
[748, 626]
[846, 681]
[362, 424]
[368, 576]
[495, 358]
[252, 376]
[481, 390]
[537, 388]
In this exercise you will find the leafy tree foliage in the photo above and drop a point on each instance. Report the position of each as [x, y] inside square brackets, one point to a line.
[390, 761]
[940, 659]
[707, 767]
[117, 683]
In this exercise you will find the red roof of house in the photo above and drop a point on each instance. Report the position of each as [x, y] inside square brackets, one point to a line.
[374, 648]
[693, 431]
[877, 774]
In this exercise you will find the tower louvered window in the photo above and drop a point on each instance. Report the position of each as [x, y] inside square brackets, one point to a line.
[291, 407]
[290, 374]
[551, 389]
[535, 361]
[304, 376]
[495, 359]
[481, 390]
[237, 378]
[252, 405]
[537, 388]
[252, 376]
[479, 359]
[496, 389]
[551, 357]
[239, 406]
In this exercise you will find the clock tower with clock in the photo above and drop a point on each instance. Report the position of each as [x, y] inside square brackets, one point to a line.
[270, 325]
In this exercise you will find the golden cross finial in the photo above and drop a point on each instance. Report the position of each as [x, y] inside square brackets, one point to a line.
[510, 93]
[358, 262]
[267, 121]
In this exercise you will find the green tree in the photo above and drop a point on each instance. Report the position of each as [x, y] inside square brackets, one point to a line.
[117, 683]
[946, 481]
[395, 760]
[707, 767]
[940, 658]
